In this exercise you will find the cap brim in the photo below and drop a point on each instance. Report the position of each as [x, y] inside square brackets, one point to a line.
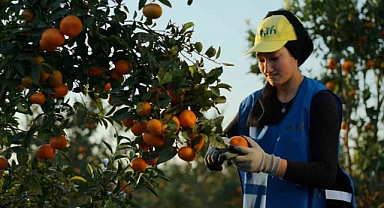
[267, 46]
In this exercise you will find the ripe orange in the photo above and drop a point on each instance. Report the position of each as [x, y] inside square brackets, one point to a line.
[153, 140]
[200, 144]
[347, 65]
[107, 87]
[95, 71]
[153, 160]
[187, 118]
[45, 152]
[352, 92]
[152, 10]
[175, 119]
[82, 149]
[71, 25]
[27, 81]
[127, 122]
[3, 163]
[38, 98]
[123, 67]
[238, 141]
[43, 75]
[155, 127]
[60, 91]
[31, 15]
[55, 79]
[330, 85]
[59, 142]
[138, 164]
[144, 109]
[144, 146]
[51, 39]
[332, 63]
[138, 128]
[343, 126]
[186, 153]
[370, 64]
[116, 75]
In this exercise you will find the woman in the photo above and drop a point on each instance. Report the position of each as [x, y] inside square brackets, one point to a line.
[292, 127]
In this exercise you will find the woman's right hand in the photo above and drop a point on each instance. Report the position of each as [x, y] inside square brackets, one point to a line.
[215, 157]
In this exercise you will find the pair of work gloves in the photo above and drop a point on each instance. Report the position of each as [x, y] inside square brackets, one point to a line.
[251, 159]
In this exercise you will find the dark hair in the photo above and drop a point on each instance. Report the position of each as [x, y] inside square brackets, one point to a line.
[301, 48]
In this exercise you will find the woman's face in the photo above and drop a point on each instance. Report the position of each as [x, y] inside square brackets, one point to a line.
[277, 67]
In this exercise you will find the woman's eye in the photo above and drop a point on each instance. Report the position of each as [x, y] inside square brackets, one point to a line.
[275, 58]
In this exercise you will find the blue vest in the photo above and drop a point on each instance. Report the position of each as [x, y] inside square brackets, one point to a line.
[289, 140]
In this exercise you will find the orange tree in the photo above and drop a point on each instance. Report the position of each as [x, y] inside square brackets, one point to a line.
[53, 52]
[349, 36]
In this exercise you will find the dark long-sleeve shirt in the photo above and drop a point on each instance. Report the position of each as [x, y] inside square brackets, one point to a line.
[324, 134]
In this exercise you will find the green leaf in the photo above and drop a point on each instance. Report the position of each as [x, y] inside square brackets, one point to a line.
[223, 85]
[211, 51]
[199, 46]
[218, 53]
[215, 91]
[189, 2]
[122, 114]
[166, 3]
[228, 64]
[120, 156]
[108, 146]
[142, 3]
[166, 154]
[186, 26]
[220, 99]
[110, 203]
[35, 187]
[90, 170]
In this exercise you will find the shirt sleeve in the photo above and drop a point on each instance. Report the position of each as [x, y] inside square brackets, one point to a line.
[324, 138]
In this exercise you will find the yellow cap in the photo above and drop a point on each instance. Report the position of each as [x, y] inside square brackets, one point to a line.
[272, 34]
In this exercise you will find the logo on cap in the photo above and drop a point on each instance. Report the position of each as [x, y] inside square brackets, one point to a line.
[269, 31]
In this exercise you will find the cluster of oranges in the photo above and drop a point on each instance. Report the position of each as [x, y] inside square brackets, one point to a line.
[50, 40]
[47, 151]
[156, 131]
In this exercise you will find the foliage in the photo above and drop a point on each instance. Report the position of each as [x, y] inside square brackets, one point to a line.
[161, 67]
[350, 39]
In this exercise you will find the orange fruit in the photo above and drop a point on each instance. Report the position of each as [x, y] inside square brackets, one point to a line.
[330, 85]
[175, 119]
[82, 149]
[370, 64]
[352, 92]
[347, 65]
[51, 38]
[3, 163]
[123, 67]
[55, 79]
[116, 75]
[59, 142]
[152, 10]
[107, 87]
[27, 81]
[31, 15]
[153, 158]
[187, 118]
[138, 164]
[153, 140]
[71, 25]
[238, 141]
[95, 71]
[43, 75]
[60, 91]
[38, 98]
[144, 146]
[38, 60]
[155, 127]
[127, 122]
[45, 152]
[144, 109]
[332, 63]
[343, 126]
[200, 144]
[186, 153]
[138, 128]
